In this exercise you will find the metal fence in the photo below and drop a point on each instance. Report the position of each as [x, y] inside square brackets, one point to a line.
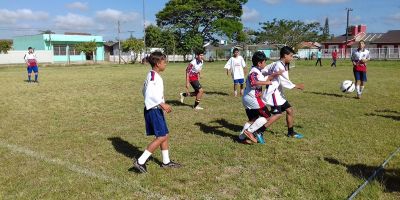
[375, 53]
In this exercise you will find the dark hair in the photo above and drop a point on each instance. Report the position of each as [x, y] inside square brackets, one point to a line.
[156, 57]
[235, 49]
[199, 51]
[30, 48]
[286, 51]
[258, 56]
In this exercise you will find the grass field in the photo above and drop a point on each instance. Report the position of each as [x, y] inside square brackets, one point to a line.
[73, 136]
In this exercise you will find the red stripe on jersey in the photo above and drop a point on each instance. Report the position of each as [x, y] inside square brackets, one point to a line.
[264, 112]
[152, 75]
[274, 99]
[253, 79]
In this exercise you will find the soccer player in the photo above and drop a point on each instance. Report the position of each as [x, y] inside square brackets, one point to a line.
[192, 78]
[236, 66]
[256, 111]
[274, 95]
[334, 57]
[319, 57]
[155, 106]
[31, 62]
[360, 57]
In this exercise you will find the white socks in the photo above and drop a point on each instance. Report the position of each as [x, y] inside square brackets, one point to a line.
[235, 93]
[165, 156]
[359, 89]
[146, 154]
[257, 124]
[242, 136]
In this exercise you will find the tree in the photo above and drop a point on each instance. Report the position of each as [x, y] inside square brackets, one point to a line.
[325, 31]
[135, 45]
[288, 32]
[165, 39]
[5, 46]
[205, 20]
[87, 47]
[153, 36]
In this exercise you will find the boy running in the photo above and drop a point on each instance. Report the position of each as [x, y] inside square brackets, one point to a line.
[236, 66]
[274, 95]
[192, 78]
[153, 92]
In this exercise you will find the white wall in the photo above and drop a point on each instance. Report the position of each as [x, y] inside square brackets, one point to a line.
[17, 57]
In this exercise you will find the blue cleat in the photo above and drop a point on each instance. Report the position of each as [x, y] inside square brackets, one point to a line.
[260, 138]
[296, 135]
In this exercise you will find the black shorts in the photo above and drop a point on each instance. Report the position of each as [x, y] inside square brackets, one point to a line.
[253, 114]
[196, 85]
[279, 109]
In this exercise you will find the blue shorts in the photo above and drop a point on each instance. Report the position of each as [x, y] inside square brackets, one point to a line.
[34, 69]
[155, 122]
[360, 76]
[238, 81]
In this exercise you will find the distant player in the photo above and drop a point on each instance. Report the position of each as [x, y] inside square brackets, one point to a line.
[274, 95]
[256, 110]
[360, 57]
[193, 71]
[236, 66]
[31, 62]
[155, 106]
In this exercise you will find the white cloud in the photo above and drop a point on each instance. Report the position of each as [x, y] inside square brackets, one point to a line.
[250, 14]
[272, 1]
[74, 22]
[321, 1]
[13, 16]
[77, 5]
[111, 15]
[394, 17]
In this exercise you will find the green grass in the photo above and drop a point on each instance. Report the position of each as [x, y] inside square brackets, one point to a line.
[73, 136]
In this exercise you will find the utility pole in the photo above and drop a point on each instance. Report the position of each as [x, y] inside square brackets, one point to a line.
[347, 31]
[119, 44]
[131, 34]
[144, 30]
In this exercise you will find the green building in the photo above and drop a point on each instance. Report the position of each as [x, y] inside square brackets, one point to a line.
[62, 46]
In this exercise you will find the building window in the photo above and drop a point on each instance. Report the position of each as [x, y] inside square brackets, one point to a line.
[60, 50]
[73, 51]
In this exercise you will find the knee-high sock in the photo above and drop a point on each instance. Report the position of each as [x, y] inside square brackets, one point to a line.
[242, 136]
[257, 124]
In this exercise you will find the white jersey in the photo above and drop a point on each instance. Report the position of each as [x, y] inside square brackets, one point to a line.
[194, 68]
[274, 95]
[31, 59]
[236, 65]
[252, 93]
[359, 55]
[153, 90]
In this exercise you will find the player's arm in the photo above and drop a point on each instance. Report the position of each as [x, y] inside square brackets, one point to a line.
[187, 85]
[166, 107]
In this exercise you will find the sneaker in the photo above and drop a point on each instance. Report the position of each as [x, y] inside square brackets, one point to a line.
[171, 165]
[139, 167]
[250, 136]
[198, 108]
[296, 135]
[260, 138]
[182, 97]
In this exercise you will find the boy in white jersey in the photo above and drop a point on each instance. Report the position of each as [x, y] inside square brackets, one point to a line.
[274, 95]
[153, 92]
[360, 57]
[193, 71]
[236, 66]
[256, 111]
[31, 62]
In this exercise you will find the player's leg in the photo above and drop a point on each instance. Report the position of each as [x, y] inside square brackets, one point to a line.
[363, 80]
[241, 82]
[290, 121]
[357, 77]
[36, 71]
[29, 73]
[235, 88]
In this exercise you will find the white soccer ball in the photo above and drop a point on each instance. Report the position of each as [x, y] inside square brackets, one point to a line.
[347, 86]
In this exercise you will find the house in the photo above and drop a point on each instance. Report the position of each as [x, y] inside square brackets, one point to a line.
[391, 39]
[62, 45]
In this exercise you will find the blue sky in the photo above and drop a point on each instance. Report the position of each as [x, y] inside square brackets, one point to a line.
[22, 17]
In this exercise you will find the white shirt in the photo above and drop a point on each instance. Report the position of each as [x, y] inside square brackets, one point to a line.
[274, 95]
[358, 55]
[252, 93]
[236, 65]
[153, 90]
[195, 66]
[30, 58]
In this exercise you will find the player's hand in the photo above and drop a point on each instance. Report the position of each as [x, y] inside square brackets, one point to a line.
[300, 86]
[364, 60]
[280, 72]
[166, 107]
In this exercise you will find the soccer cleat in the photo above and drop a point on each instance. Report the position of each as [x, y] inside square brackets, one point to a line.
[171, 165]
[260, 138]
[182, 97]
[250, 136]
[139, 167]
[296, 135]
[198, 108]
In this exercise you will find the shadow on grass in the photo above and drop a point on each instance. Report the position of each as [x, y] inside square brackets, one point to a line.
[330, 94]
[390, 114]
[217, 93]
[128, 150]
[389, 178]
[214, 130]
[228, 125]
[176, 103]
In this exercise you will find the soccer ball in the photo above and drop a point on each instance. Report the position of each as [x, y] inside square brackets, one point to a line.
[347, 86]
